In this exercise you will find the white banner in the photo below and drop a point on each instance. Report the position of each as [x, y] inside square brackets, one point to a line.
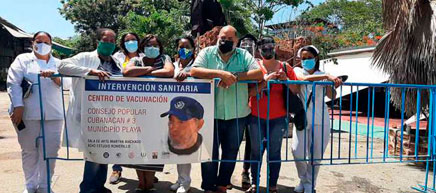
[147, 120]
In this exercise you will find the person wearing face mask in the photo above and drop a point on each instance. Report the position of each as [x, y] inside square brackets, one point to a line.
[247, 42]
[129, 44]
[185, 58]
[309, 56]
[272, 70]
[96, 63]
[230, 64]
[183, 65]
[153, 63]
[26, 112]
[129, 49]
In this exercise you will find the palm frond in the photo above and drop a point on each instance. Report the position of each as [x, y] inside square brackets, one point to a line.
[408, 52]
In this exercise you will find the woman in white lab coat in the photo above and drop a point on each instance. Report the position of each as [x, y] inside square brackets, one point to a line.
[26, 110]
[301, 142]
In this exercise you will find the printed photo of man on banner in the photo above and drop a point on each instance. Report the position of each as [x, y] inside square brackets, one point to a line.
[147, 120]
[185, 121]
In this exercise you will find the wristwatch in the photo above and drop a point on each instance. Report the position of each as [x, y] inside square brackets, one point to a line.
[236, 74]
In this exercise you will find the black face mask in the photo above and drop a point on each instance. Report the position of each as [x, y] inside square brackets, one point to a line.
[268, 53]
[225, 46]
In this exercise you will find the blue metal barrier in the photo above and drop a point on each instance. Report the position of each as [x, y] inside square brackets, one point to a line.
[335, 157]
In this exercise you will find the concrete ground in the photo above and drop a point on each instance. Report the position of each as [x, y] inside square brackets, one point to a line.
[372, 178]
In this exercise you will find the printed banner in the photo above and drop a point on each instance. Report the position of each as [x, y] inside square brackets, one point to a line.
[147, 120]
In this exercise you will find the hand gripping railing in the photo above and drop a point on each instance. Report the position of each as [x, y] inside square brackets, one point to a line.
[360, 98]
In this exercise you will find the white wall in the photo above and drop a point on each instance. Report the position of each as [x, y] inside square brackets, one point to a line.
[358, 68]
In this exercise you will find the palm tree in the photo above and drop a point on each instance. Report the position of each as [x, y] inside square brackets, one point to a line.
[408, 51]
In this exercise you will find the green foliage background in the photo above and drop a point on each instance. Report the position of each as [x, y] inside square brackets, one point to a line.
[358, 22]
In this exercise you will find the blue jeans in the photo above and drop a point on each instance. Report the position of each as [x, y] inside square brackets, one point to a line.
[117, 168]
[228, 135]
[94, 177]
[247, 152]
[258, 137]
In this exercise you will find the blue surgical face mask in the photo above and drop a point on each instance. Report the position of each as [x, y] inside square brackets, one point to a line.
[131, 46]
[185, 53]
[308, 64]
[151, 52]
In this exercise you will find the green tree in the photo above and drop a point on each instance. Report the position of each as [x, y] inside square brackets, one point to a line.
[238, 15]
[87, 16]
[242, 13]
[264, 10]
[168, 25]
[69, 42]
[120, 15]
[349, 24]
[355, 19]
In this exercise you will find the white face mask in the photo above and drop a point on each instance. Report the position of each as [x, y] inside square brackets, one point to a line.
[42, 49]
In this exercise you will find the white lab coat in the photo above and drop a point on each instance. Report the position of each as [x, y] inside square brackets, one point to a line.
[320, 114]
[302, 140]
[28, 66]
[78, 65]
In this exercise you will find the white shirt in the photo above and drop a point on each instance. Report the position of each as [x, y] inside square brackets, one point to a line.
[200, 155]
[28, 66]
[121, 57]
[78, 65]
[177, 68]
[304, 93]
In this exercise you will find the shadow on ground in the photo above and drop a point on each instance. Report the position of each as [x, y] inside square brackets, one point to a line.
[129, 185]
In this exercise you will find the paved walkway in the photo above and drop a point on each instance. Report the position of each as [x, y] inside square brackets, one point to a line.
[375, 178]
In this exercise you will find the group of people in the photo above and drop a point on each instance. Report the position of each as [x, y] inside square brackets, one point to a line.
[239, 107]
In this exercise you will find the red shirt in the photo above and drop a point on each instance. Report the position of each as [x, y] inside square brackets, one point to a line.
[277, 103]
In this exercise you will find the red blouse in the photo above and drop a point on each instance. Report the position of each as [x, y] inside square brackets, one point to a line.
[277, 103]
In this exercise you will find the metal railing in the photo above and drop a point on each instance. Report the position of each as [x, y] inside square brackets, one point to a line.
[344, 149]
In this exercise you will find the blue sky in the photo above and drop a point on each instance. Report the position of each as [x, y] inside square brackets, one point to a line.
[43, 15]
[37, 15]
[288, 13]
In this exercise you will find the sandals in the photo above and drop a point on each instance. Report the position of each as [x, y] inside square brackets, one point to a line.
[253, 189]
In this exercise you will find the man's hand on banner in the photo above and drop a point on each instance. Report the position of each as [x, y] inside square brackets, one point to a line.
[101, 74]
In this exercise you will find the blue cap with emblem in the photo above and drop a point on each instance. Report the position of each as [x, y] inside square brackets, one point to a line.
[185, 108]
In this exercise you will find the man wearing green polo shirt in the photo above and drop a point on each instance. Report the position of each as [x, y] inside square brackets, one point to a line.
[230, 64]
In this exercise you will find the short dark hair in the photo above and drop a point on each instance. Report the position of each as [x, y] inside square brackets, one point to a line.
[247, 36]
[189, 38]
[42, 32]
[122, 41]
[310, 49]
[266, 40]
[101, 31]
[147, 39]
[314, 52]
